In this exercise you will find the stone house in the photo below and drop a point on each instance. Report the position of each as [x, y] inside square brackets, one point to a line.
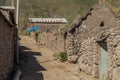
[50, 35]
[53, 37]
[7, 42]
[93, 42]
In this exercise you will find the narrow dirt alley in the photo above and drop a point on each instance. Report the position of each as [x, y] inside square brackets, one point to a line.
[38, 63]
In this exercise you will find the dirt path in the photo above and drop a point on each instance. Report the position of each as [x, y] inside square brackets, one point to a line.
[39, 64]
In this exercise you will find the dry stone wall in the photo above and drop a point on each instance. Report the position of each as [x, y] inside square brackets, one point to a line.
[113, 49]
[50, 36]
[32, 35]
[89, 60]
[53, 41]
[83, 42]
[85, 53]
[47, 27]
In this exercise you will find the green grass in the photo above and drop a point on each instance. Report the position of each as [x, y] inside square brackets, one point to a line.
[36, 35]
[2, 2]
[25, 33]
[118, 13]
[115, 2]
[63, 56]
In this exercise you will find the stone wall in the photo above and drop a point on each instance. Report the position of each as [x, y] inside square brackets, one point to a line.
[113, 42]
[89, 60]
[53, 41]
[6, 49]
[32, 35]
[85, 53]
[50, 36]
[83, 41]
[48, 27]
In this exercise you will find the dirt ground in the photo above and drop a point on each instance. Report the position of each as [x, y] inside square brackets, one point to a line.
[38, 63]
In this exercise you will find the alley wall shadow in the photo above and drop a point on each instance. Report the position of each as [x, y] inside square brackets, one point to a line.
[31, 68]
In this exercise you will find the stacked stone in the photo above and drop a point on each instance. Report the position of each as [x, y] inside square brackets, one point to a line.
[113, 49]
[72, 48]
[32, 34]
[53, 41]
[70, 45]
[104, 27]
[88, 57]
[6, 50]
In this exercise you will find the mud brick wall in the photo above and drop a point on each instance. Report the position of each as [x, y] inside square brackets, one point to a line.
[6, 49]
[53, 41]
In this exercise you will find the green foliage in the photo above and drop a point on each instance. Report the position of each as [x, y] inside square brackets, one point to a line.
[2, 2]
[25, 33]
[56, 55]
[63, 56]
[36, 35]
[118, 13]
[115, 2]
[109, 78]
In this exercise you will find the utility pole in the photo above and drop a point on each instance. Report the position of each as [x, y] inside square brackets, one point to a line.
[12, 3]
[17, 20]
[17, 14]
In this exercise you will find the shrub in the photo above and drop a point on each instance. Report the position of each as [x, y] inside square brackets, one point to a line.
[36, 35]
[25, 33]
[63, 56]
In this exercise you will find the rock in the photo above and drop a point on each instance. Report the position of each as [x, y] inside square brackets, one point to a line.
[95, 71]
[116, 74]
[73, 59]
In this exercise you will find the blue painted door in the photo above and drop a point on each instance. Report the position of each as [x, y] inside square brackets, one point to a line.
[103, 61]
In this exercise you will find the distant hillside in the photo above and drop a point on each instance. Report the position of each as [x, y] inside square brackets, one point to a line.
[2, 2]
[58, 8]
[54, 8]
[115, 4]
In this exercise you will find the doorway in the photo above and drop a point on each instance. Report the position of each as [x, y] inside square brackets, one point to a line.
[103, 61]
